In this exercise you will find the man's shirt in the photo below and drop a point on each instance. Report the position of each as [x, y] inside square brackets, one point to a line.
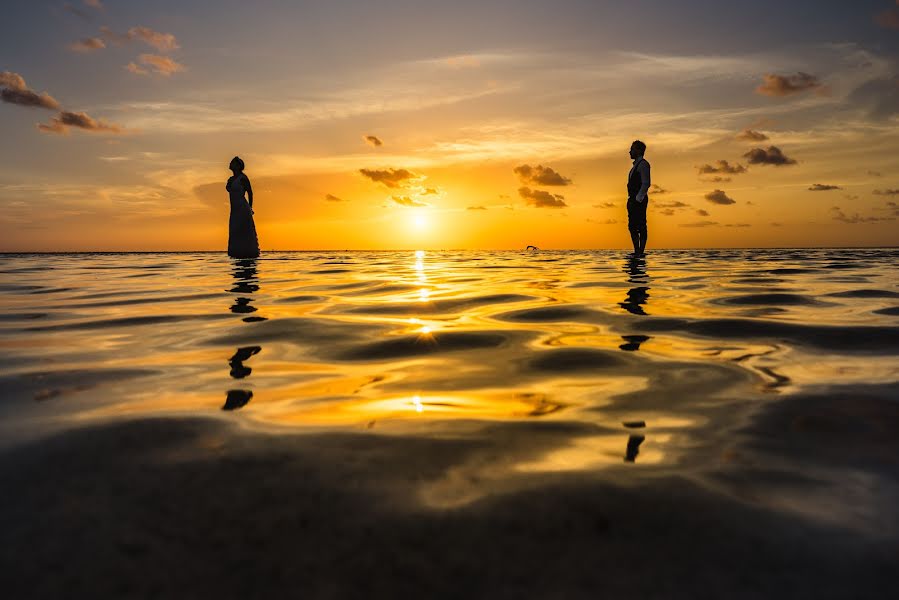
[642, 165]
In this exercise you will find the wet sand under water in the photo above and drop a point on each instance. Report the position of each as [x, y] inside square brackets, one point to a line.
[451, 424]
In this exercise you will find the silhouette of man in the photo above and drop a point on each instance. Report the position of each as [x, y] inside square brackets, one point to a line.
[637, 197]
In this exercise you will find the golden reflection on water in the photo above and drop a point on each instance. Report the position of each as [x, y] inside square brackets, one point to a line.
[413, 344]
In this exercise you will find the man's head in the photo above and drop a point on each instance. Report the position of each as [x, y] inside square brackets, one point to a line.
[638, 149]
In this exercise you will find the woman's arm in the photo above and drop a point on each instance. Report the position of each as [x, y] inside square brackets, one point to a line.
[249, 190]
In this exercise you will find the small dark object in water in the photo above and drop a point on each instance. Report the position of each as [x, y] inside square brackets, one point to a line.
[634, 424]
[633, 342]
[254, 319]
[532, 248]
[237, 399]
[633, 447]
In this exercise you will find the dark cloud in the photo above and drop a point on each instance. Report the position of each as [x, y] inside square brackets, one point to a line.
[667, 212]
[721, 166]
[540, 175]
[823, 187]
[888, 19]
[702, 212]
[604, 205]
[476, 208]
[786, 85]
[373, 140]
[719, 197]
[61, 123]
[737, 225]
[392, 178]
[879, 98]
[752, 135]
[333, 198]
[770, 156]
[717, 179]
[87, 45]
[838, 215]
[657, 189]
[407, 201]
[886, 192]
[700, 224]
[875, 174]
[14, 90]
[606, 222]
[541, 199]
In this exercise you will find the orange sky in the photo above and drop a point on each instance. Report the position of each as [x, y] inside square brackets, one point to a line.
[134, 115]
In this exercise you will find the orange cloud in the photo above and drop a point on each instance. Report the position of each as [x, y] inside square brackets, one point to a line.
[373, 140]
[407, 201]
[161, 65]
[540, 175]
[87, 45]
[771, 156]
[392, 178]
[541, 199]
[61, 123]
[719, 197]
[164, 42]
[15, 91]
[752, 135]
[721, 166]
[786, 85]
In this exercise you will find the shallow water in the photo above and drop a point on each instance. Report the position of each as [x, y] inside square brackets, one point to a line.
[526, 398]
[410, 342]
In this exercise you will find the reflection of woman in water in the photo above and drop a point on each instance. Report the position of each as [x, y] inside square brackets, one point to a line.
[242, 240]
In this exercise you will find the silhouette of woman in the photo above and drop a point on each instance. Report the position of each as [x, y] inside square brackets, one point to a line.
[242, 240]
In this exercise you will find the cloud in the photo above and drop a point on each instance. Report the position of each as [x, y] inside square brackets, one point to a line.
[787, 85]
[737, 225]
[87, 45]
[464, 61]
[604, 205]
[875, 173]
[161, 65]
[606, 222]
[333, 198]
[752, 135]
[430, 192]
[719, 197]
[540, 175]
[888, 19]
[14, 90]
[61, 123]
[541, 199]
[392, 178]
[164, 42]
[702, 212]
[838, 215]
[823, 187]
[78, 12]
[672, 204]
[476, 208]
[667, 212]
[717, 179]
[886, 192]
[700, 224]
[94, 4]
[771, 156]
[657, 189]
[721, 166]
[373, 140]
[407, 201]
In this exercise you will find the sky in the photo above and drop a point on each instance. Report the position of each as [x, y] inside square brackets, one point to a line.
[418, 124]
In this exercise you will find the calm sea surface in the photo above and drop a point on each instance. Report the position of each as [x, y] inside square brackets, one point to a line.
[719, 423]
[656, 360]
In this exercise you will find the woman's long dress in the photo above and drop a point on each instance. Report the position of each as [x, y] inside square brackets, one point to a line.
[242, 240]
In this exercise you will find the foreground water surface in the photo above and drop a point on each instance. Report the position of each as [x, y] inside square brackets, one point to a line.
[768, 377]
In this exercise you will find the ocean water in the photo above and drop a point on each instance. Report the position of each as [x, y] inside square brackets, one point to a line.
[447, 380]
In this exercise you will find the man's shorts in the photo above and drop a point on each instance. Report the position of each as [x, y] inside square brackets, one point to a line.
[636, 215]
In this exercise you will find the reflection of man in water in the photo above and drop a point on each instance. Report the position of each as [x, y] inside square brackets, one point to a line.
[637, 198]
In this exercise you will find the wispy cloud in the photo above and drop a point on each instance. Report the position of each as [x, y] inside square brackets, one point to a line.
[407, 201]
[333, 198]
[541, 198]
[155, 63]
[855, 218]
[89, 44]
[823, 187]
[373, 140]
[476, 208]
[700, 224]
[886, 192]
[164, 42]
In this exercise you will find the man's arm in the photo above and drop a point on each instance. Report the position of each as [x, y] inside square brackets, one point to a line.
[643, 167]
